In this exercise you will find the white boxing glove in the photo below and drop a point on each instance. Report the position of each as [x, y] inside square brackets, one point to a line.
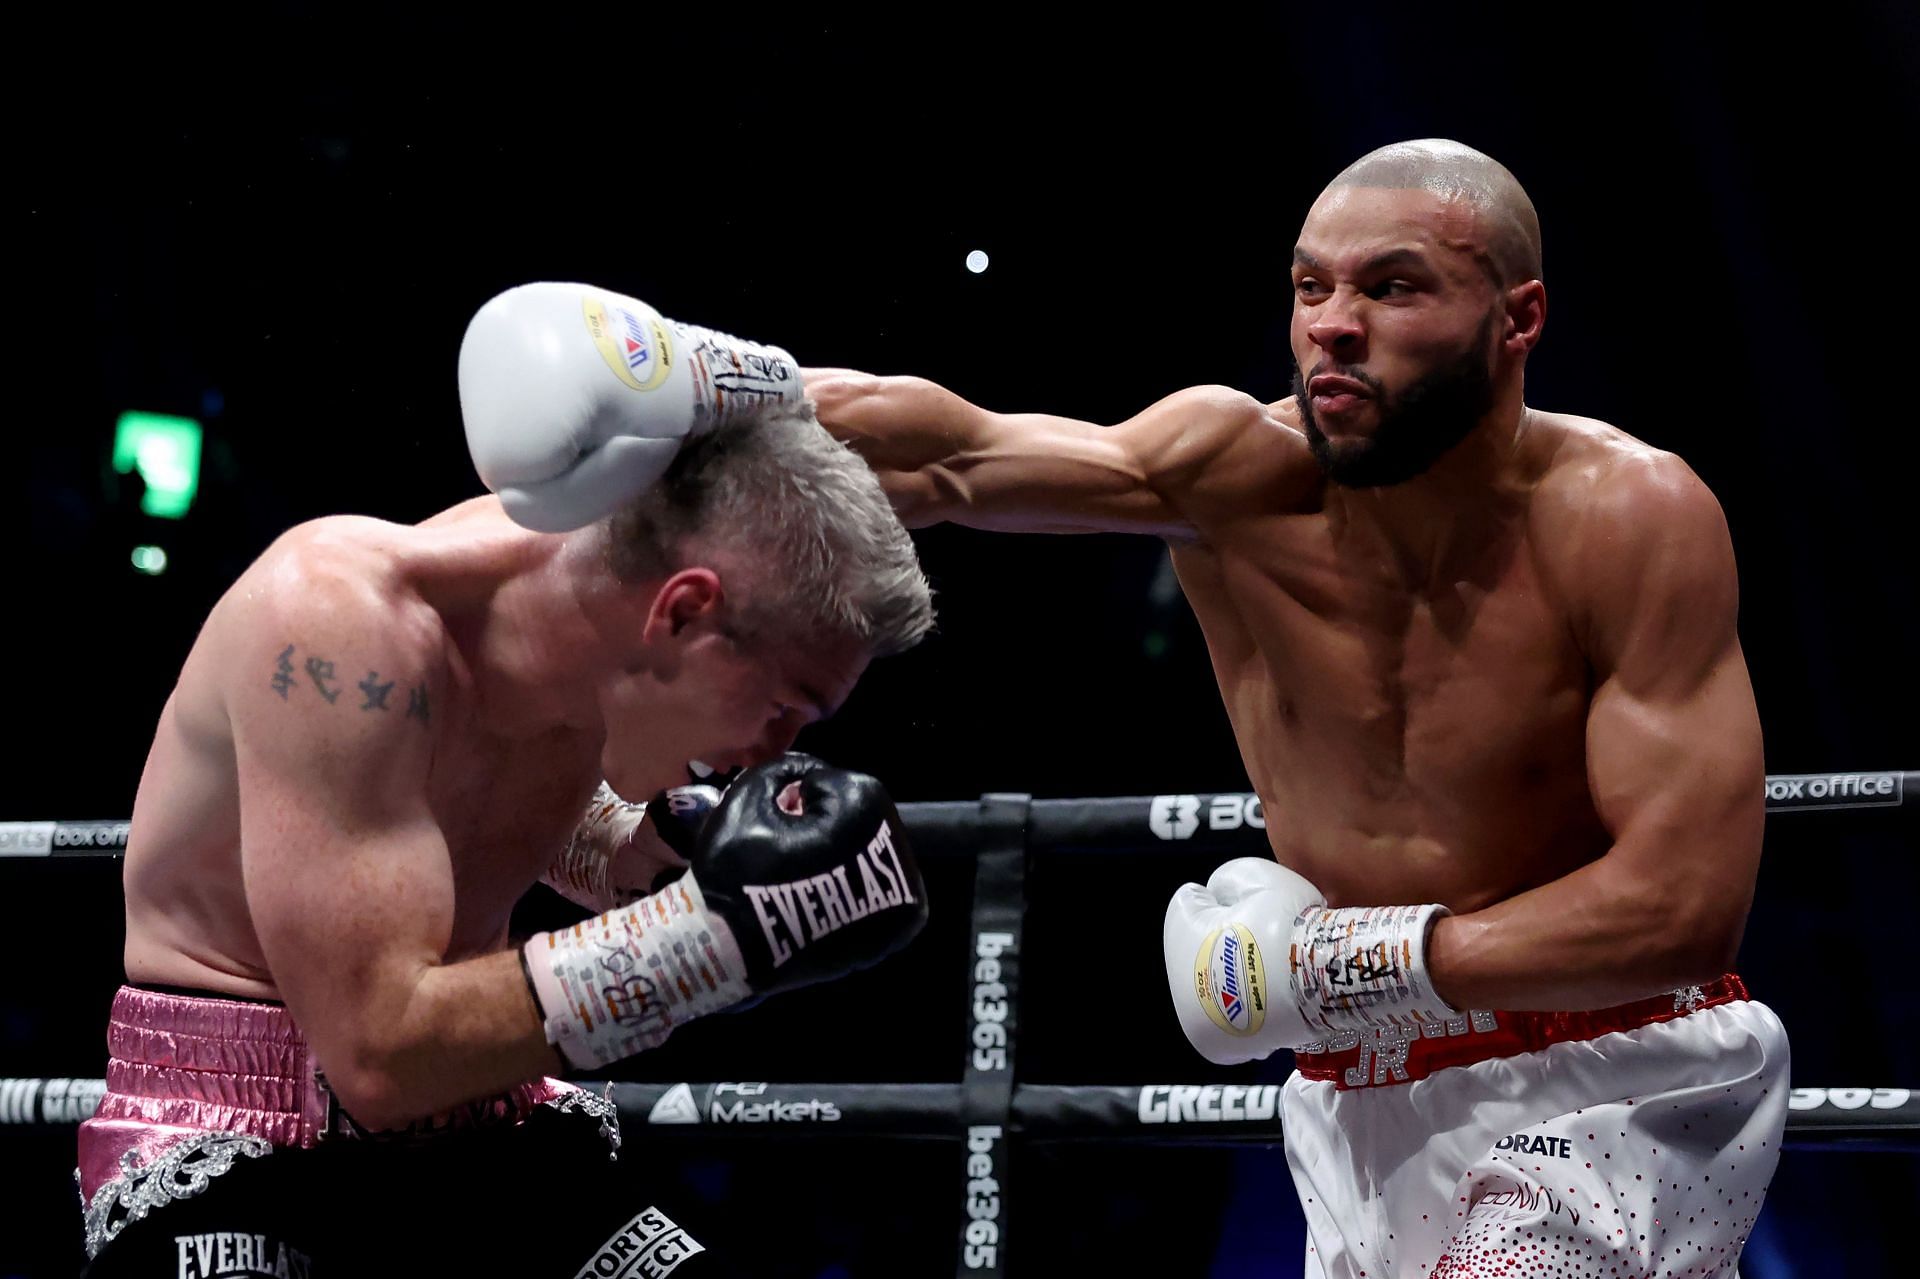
[1257, 962]
[577, 399]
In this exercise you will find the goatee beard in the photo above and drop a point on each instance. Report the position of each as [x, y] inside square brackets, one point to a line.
[1417, 427]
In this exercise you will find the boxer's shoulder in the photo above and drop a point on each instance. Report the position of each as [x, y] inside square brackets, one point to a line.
[1596, 476]
[341, 569]
[1222, 419]
[1235, 455]
[1613, 517]
[330, 605]
[1284, 433]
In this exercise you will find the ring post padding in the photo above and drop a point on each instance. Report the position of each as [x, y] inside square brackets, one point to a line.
[986, 1078]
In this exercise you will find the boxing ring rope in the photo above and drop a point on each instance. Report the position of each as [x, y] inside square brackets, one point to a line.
[987, 1109]
[1158, 1114]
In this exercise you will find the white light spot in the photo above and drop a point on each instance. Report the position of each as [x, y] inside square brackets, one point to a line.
[977, 261]
[150, 559]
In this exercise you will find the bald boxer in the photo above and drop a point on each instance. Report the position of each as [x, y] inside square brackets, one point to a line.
[1481, 662]
[330, 1058]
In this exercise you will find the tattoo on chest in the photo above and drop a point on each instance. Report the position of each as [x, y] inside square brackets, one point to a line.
[323, 679]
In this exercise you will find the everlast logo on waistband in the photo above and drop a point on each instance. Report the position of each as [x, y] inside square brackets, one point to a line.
[1521, 1144]
[829, 902]
[225, 1253]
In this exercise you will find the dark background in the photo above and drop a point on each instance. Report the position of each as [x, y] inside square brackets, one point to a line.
[278, 221]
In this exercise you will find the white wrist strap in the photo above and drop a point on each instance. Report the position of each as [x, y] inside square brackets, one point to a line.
[1362, 966]
[619, 983]
[583, 873]
[732, 377]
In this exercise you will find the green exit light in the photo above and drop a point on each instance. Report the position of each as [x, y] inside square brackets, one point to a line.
[166, 451]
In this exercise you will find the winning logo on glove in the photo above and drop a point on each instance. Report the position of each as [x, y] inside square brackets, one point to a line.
[636, 347]
[1231, 981]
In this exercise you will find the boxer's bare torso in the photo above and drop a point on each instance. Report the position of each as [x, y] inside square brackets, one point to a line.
[505, 802]
[385, 734]
[1513, 687]
[1418, 731]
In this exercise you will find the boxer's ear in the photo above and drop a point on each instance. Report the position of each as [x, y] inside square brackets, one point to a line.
[690, 596]
[1524, 316]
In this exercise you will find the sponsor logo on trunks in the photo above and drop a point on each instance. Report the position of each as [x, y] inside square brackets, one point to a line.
[1836, 790]
[828, 902]
[1228, 980]
[1528, 1199]
[990, 1000]
[1521, 1144]
[647, 1247]
[1178, 816]
[634, 343]
[227, 1253]
[1208, 1103]
[1848, 1098]
[744, 1103]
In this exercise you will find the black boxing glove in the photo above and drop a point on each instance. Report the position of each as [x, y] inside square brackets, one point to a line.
[678, 815]
[800, 875]
[815, 858]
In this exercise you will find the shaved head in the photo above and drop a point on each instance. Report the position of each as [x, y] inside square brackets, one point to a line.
[1510, 229]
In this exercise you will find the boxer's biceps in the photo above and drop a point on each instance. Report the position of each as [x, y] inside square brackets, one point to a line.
[940, 457]
[1039, 474]
[348, 882]
[1673, 738]
[351, 910]
[1677, 779]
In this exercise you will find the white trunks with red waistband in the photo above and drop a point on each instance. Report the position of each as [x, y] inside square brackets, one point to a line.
[1626, 1143]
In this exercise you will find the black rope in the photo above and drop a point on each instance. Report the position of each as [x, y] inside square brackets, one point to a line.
[1843, 1119]
[1225, 822]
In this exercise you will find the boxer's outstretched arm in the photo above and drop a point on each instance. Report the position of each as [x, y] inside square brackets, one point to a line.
[1673, 761]
[348, 878]
[941, 458]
